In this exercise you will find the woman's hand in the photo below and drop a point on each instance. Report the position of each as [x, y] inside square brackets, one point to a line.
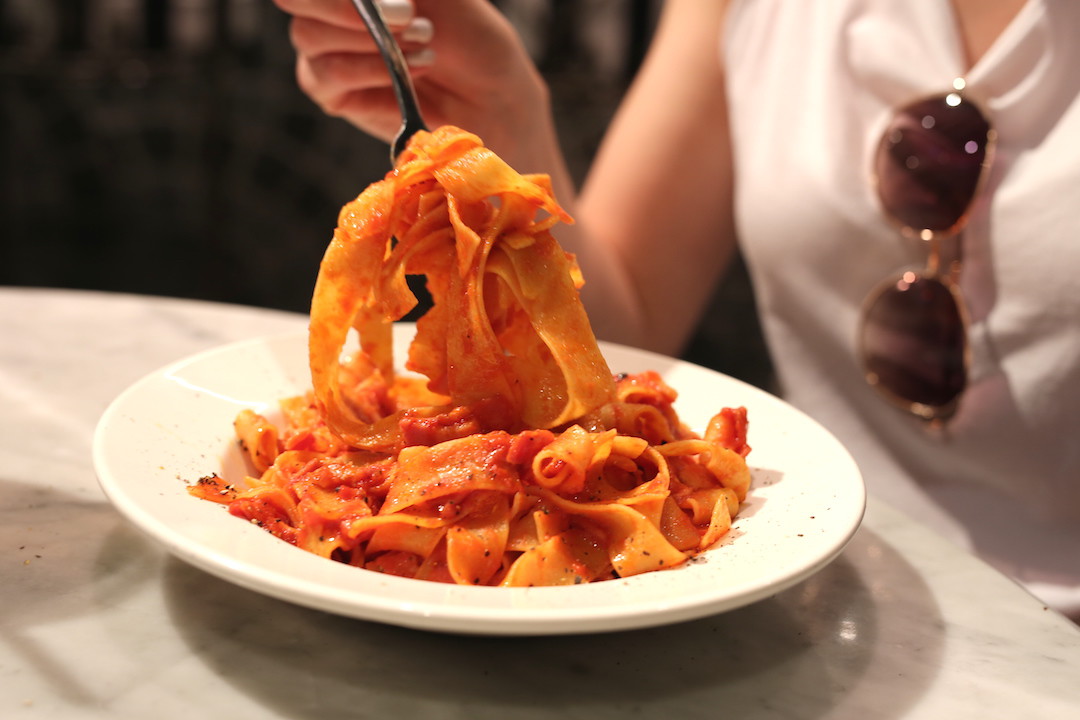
[469, 68]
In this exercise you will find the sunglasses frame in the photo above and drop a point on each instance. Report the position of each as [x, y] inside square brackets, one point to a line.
[932, 272]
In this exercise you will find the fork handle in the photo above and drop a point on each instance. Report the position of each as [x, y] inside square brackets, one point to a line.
[412, 121]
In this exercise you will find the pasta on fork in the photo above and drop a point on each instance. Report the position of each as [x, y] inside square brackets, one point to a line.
[508, 454]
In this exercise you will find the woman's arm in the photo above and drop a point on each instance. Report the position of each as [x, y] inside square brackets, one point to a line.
[657, 203]
[654, 229]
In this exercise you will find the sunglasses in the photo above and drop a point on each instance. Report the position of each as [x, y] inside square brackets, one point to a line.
[928, 168]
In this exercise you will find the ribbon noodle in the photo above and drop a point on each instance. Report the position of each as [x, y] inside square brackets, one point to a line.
[508, 455]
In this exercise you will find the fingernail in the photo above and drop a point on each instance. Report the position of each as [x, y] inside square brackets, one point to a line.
[420, 58]
[420, 30]
[396, 12]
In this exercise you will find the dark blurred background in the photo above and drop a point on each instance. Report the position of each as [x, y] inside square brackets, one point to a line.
[162, 147]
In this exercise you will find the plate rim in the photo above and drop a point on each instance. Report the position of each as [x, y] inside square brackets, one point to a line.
[456, 617]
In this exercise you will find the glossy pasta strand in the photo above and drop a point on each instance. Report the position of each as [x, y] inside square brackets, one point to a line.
[511, 456]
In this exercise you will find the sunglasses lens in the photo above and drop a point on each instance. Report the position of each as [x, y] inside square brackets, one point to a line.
[929, 162]
[913, 344]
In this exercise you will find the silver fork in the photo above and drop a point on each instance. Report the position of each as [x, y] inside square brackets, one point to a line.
[411, 119]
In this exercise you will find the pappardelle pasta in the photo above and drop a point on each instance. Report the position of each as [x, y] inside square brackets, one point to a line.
[509, 454]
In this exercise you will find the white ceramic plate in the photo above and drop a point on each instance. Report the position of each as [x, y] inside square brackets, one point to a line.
[175, 426]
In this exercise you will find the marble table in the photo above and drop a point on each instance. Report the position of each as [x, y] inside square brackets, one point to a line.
[96, 621]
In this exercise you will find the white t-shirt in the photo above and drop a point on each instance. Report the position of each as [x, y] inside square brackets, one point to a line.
[810, 86]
